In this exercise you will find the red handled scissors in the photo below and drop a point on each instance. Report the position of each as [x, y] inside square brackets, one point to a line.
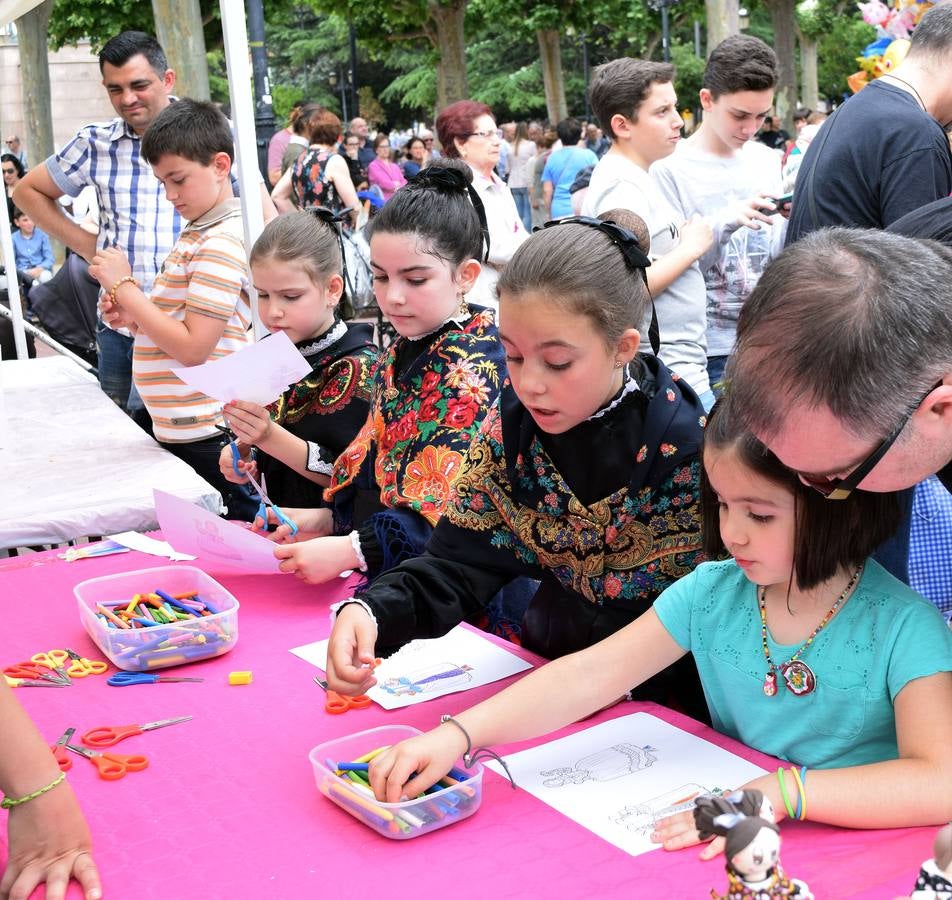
[111, 766]
[337, 704]
[107, 736]
[34, 671]
[59, 751]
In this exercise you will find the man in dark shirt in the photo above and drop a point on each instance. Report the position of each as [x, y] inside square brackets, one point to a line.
[773, 136]
[884, 152]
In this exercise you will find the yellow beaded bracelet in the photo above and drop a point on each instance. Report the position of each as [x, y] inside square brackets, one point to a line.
[7, 803]
[126, 279]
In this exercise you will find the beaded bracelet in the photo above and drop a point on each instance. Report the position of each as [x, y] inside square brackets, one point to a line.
[783, 793]
[7, 803]
[800, 779]
[126, 279]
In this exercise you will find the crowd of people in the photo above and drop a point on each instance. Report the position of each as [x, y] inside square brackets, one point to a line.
[669, 440]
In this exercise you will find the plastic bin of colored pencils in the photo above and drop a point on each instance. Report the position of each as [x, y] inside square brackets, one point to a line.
[155, 618]
[455, 798]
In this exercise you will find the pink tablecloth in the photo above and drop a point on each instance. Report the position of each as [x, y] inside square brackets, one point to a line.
[228, 807]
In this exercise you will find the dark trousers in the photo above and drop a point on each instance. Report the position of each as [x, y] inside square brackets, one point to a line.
[203, 456]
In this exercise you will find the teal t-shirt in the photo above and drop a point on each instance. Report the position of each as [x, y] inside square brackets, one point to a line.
[884, 636]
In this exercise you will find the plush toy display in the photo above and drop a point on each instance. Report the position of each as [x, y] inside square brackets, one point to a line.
[894, 23]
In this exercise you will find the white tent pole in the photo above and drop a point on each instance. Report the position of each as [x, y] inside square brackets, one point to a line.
[13, 283]
[235, 34]
[50, 342]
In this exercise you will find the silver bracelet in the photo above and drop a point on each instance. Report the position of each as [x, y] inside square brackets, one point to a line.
[355, 543]
[470, 756]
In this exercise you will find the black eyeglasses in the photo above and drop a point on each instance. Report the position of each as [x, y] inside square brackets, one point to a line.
[841, 488]
[9, 171]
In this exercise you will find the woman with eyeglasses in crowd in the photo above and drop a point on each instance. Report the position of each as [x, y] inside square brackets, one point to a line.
[468, 131]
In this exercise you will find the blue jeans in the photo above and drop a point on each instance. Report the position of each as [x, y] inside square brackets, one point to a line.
[202, 456]
[523, 206]
[115, 368]
[715, 372]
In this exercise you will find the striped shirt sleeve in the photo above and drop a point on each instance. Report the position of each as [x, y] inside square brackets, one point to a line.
[69, 167]
[217, 275]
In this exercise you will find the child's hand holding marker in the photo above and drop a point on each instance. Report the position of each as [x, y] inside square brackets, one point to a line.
[350, 651]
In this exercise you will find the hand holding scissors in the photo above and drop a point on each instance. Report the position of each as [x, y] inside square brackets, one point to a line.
[337, 704]
[59, 751]
[107, 736]
[124, 679]
[111, 766]
[265, 503]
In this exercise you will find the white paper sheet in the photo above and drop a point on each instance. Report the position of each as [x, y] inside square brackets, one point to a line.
[145, 544]
[220, 544]
[259, 373]
[423, 670]
[615, 777]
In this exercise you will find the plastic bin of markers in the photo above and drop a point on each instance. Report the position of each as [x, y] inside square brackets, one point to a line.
[159, 646]
[399, 821]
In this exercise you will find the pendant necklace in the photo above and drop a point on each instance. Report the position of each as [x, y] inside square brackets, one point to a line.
[799, 678]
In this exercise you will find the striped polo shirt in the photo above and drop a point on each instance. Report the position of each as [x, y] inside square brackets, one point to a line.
[205, 274]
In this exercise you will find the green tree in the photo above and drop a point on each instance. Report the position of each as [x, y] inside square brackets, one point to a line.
[837, 52]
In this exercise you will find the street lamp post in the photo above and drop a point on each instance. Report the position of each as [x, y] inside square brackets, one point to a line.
[264, 111]
[664, 5]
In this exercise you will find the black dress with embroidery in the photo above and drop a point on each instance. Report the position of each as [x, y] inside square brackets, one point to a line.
[605, 516]
[325, 409]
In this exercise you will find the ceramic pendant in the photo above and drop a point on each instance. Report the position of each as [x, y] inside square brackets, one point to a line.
[799, 678]
[770, 683]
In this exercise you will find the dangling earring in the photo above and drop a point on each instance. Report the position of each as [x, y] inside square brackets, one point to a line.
[463, 304]
[619, 364]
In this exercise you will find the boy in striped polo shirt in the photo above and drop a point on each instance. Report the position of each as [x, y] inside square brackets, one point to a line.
[199, 308]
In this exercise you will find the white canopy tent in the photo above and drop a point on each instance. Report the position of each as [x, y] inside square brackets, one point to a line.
[235, 35]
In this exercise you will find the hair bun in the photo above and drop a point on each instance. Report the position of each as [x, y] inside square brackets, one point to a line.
[447, 175]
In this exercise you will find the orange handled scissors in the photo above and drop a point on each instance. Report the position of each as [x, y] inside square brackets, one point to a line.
[111, 766]
[107, 736]
[59, 751]
[337, 704]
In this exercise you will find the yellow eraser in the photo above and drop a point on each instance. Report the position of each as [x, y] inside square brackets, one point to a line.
[239, 677]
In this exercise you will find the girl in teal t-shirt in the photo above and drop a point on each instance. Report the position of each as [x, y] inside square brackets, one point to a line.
[807, 650]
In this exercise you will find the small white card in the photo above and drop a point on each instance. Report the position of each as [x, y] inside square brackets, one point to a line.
[425, 669]
[145, 544]
[217, 542]
[259, 373]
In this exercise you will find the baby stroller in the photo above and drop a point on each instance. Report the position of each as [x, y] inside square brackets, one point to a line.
[66, 307]
[8, 349]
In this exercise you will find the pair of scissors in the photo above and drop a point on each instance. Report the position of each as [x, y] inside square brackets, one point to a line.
[124, 679]
[337, 704]
[111, 766]
[81, 667]
[265, 502]
[59, 751]
[235, 452]
[31, 674]
[55, 660]
[107, 736]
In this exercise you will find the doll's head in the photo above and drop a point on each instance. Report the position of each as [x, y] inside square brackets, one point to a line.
[752, 847]
[942, 850]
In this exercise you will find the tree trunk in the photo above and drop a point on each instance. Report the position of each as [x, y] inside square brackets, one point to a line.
[783, 15]
[35, 80]
[178, 27]
[810, 90]
[723, 20]
[550, 55]
[448, 17]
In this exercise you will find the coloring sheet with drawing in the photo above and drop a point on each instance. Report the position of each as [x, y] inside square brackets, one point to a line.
[259, 374]
[422, 670]
[615, 777]
[218, 543]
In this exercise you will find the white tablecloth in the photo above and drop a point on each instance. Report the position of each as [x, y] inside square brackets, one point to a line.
[73, 464]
